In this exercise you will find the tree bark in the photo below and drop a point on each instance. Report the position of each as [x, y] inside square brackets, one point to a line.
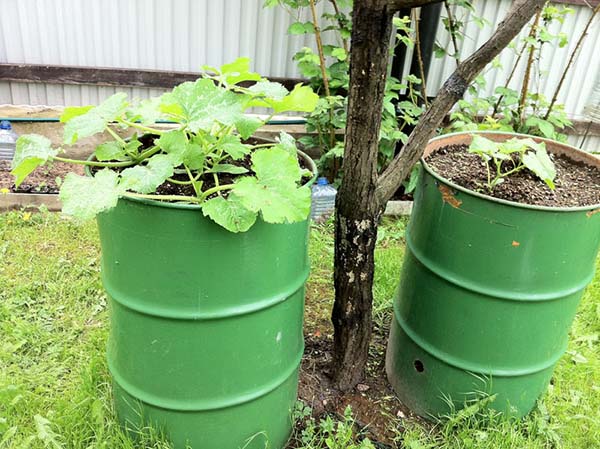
[357, 210]
[362, 195]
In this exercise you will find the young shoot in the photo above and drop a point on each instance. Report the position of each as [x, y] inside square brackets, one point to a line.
[503, 159]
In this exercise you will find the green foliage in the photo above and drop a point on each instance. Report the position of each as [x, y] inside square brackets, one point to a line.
[511, 156]
[31, 151]
[206, 144]
[524, 112]
[327, 122]
[328, 433]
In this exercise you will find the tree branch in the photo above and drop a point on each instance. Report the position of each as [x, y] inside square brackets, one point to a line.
[395, 5]
[453, 89]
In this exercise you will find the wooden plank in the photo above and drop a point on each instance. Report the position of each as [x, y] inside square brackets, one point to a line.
[105, 76]
[15, 201]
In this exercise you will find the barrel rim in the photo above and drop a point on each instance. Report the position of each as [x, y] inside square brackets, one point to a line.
[563, 148]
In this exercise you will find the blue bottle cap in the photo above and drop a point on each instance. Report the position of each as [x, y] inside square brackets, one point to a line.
[5, 124]
[322, 181]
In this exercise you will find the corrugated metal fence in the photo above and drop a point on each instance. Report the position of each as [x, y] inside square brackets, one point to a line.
[182, 35]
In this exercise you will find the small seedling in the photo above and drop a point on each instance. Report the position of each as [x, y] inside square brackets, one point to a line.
[511, 156]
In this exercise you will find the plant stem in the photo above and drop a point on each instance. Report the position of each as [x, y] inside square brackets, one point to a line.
[313, 10]
[93, 163]
[142, 127]
[192, 180]
[525, 86]
[341, 25]
[420, 58]
[315, 20]
[571, 60]
[149, 152]
[181, 183]
[215, 189]
[509, 79]
[452, 26]
[115, 135]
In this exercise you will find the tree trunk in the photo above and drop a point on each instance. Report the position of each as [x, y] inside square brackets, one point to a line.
[363, 195]
[357, 210]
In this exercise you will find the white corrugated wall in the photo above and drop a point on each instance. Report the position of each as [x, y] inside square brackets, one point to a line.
[178, 35]
[182, 35]
[580, 81]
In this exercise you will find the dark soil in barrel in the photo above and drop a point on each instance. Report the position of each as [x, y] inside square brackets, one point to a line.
[42, 180]
[577, 184]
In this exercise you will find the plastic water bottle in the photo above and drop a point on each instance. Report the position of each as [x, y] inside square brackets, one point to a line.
[323, 200]
[8, 141]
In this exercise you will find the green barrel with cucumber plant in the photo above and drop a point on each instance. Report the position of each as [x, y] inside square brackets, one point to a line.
[204, 236]
[502, 241]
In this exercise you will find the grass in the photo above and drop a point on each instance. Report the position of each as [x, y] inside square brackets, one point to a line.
[54, 385]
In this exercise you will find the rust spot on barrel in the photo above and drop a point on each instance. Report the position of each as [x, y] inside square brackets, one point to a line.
[448, 196]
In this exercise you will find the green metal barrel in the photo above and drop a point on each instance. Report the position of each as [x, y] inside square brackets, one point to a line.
[488, 291]
[205, 325]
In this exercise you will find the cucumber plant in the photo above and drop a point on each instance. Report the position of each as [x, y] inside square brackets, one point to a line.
[502, 159]
[204, 153]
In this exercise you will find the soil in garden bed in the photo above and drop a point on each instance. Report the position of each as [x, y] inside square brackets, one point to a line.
[374, 405]
[577, 184]
[42, 180]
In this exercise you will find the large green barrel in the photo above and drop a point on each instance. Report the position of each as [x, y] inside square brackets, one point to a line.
[205, 325]
[488, 291]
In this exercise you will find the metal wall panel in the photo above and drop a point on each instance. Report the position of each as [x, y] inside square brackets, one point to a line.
[179, 35]
[185, 34]
[580, 81]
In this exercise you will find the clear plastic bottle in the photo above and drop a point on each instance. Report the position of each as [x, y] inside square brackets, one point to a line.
[8, 141]
[323, 200]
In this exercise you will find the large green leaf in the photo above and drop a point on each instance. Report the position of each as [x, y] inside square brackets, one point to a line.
[238, 71]
[274, 191]
[229, 213]
[94, 120]
[146, 178]
[175, 144]
[83, 197]
[180, 150]
[247, 125]
[227, 168]
[269, 89]
[31, 151]
[111, 151]
[541, 164]
[276, 203]
[233, 146]
[276, 166]
[146, 112]
[301, 99]
[73, 111]
[202, 103]
[287, 143]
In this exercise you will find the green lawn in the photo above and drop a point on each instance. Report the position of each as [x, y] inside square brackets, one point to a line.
[54, 386]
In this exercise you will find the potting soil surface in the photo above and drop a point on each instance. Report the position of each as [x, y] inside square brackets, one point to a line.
[577, 184]
[42, 180]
